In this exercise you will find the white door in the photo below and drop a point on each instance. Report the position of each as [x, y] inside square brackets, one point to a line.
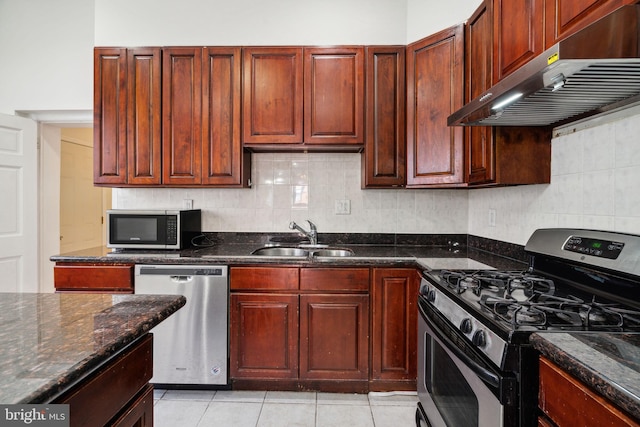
[19, 206]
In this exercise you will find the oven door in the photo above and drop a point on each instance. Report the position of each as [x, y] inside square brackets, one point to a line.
[457, 386]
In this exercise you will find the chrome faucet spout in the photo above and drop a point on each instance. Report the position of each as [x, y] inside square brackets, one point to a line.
[312, 234]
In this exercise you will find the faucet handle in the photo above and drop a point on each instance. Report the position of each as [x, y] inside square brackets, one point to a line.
[312, 225]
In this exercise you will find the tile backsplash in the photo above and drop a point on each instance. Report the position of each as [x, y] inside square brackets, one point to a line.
[595, 174]
[295, 187]
[594, 184]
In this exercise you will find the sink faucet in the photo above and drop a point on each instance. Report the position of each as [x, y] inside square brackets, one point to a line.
[312, 234]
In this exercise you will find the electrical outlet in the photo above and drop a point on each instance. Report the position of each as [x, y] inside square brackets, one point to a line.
[492, 217]
[343, 207]
[187, 203]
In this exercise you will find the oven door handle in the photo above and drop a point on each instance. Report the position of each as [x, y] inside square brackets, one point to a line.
[483, 373]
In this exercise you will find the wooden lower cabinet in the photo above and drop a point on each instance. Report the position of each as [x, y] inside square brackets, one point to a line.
[118, 394]
[566, 401]
[264, 336]
[140, 413]
[313, 338]
[394, 329]
[92, 277]
[334, 331]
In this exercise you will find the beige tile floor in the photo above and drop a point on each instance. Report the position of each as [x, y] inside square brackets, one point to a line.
[202, 408]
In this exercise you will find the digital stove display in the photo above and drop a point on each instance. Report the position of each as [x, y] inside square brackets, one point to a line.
[594, 247]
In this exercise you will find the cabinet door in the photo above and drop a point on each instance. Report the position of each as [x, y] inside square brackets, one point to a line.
[334, 95]
[479, 141]
[140, 411]
[144, 143]
[394, 334]
[383, 159]
[565, 17]
[518, 34]
[181, 115]
[434, 90]
[110, 116]
[263, 336]
[272, 95]
[224, 161]
[334, 332]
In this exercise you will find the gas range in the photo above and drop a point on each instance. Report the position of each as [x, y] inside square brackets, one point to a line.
[481, 320]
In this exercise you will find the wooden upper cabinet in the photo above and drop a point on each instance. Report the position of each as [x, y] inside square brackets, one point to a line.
[182, 115]
[518, 34]
[144, 136]
[384, 155]
[110, 116]
[479, 140]
[224, 162]
[334, 95]
[272, 95]
[565, 17]
[435, 81]
[504, 155]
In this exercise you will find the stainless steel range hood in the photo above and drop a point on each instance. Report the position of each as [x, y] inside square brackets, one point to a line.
[594, 71]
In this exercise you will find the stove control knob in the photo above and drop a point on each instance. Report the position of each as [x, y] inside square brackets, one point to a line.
[431, 296]
[465, 326]
[479, 338]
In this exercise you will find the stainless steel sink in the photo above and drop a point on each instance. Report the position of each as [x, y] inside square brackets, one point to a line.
[280, 251]
[332, 252]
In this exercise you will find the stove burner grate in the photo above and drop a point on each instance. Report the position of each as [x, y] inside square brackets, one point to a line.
[507, 283]
[548, 312]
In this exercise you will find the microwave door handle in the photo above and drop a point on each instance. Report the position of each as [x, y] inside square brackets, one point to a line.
[483, 373]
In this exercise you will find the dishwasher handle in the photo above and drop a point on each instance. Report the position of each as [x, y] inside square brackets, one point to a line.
[181, 279]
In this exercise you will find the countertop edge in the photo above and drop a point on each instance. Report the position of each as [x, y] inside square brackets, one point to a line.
[92, 363]
[556, 347]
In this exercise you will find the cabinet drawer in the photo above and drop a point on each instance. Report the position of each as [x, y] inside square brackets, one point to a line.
[263, 278]
[334, 279]
[95, 401]
[110, 278]
[568, 402]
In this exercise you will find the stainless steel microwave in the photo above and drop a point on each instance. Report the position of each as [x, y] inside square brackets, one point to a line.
[152, 229]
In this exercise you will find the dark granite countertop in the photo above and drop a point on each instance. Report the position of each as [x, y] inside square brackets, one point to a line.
[52, 341]
[420, 254]
[609, 363]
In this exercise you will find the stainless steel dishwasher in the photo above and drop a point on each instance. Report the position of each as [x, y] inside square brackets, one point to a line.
[190, 347]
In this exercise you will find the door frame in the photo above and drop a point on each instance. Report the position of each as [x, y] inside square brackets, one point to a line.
[50, 124]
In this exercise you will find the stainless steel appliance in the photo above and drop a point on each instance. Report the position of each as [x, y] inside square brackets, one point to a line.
[191, 347]
[152, 229]
[475, 366]
[593, 71]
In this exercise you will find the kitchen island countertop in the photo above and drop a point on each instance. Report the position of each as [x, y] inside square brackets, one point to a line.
[50, 342]
[609, 363]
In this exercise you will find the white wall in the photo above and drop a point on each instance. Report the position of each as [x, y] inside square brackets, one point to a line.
[46, 49]
[427, 17]
[249, 22]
